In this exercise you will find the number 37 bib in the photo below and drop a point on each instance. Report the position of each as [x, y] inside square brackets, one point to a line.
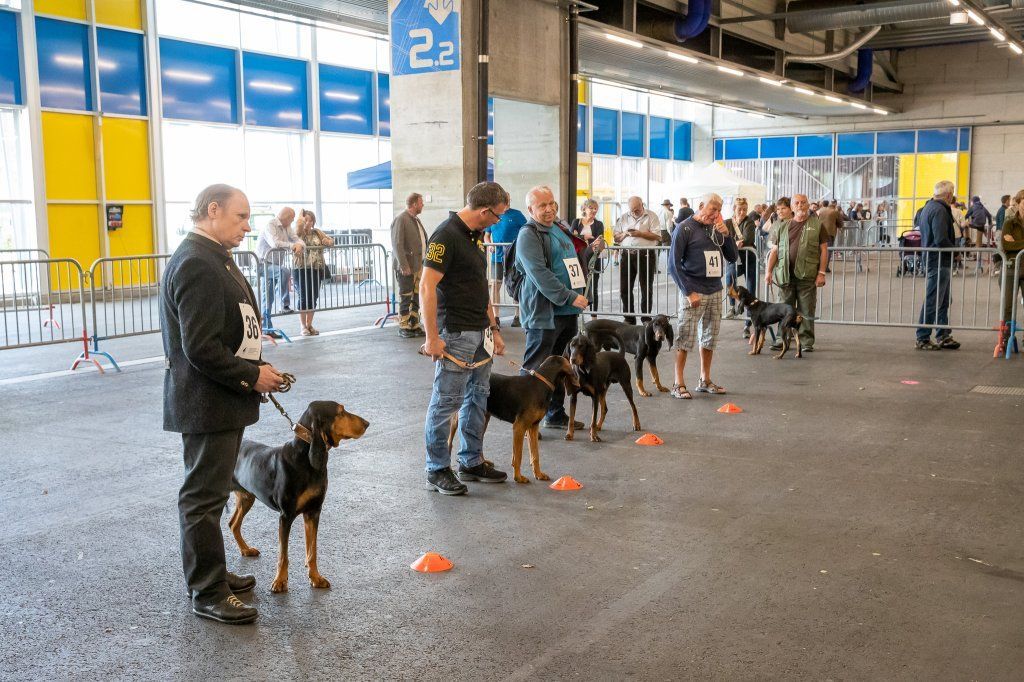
[252, 337]
[713, 263]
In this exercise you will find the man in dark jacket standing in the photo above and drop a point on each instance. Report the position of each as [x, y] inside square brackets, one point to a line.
[409, 243]
[212, 385]
[936, 224]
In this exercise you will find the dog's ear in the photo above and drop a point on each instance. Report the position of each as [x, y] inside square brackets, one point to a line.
[321, 416]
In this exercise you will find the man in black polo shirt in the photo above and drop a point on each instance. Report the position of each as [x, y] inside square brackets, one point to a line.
[462, 335]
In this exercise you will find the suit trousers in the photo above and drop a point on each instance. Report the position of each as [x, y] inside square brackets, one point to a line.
[209, 469]
[636, 264]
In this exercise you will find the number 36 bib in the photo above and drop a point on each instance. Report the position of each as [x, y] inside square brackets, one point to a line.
[713, 263]
[252, 337]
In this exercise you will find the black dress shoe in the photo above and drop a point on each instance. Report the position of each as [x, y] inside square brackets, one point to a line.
[229, 610]
[241, 583]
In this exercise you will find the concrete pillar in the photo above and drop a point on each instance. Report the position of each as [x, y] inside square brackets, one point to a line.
[434, 98]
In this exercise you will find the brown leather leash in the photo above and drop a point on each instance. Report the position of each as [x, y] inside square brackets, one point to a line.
[300, 431]
[532, 373]
[481, 363]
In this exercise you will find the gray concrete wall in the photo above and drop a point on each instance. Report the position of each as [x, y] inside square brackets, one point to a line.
[976, 84]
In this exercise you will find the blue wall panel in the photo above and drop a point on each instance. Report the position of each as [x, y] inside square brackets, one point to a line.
[64, 65]
[10, 59]
[581, 128]
[122, 67]
[719, 150]
[682, 141]
[965, 139]
[384, 105]
[276, 92]
[899, 142]
[660, 146]
[198, 82]
[633, 134]
[856, 144]
[346, 100]
[606, 131]
[809, 146]
[778, 147]
[942, 140]
[743, 148]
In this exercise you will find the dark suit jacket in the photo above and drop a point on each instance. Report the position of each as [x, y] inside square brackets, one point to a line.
[683, 213]
[206, 387]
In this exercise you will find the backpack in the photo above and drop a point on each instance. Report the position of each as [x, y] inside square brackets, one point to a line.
[513, 277]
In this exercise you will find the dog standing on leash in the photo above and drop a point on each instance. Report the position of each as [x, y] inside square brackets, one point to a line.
[597, 371]
[291, 479]
[643, 342]
[763, 315]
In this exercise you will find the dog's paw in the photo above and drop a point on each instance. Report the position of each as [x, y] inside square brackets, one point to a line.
[250, 551]
[663, 389]
[594, 438]
[753, 352]
[645, 394]
[319, 582]
[541, 476]
[568, 436]
[636, 427]
[279, 586]
[519, 478]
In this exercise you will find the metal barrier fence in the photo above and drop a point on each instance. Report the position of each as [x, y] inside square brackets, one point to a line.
[42, 302]
[344, 277]
[23, 254]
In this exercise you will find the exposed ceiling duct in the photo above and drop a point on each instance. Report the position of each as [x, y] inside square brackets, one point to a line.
[833, 56]
[804, 16]
[698, 14]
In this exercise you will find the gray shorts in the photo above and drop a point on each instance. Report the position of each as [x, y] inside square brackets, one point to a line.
[707, 314]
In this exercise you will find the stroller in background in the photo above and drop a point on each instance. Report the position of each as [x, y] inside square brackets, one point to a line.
[910, 262]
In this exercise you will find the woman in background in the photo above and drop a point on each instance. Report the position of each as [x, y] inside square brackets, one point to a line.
[589, 228]
[310, 268]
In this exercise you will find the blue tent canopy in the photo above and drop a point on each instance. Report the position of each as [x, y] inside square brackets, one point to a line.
[379, 176]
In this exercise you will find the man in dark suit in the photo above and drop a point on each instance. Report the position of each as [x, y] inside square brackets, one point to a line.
[212, 386]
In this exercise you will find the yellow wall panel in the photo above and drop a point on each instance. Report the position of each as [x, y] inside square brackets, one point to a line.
[126, 159]
[905, 188]
[136, 237]
[74, 232]
[73, 9]
[931, 168]
[125, 13]
[963, 176]
[69, 156]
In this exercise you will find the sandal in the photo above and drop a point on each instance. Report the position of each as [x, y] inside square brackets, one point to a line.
[680, 391]
[708, 387]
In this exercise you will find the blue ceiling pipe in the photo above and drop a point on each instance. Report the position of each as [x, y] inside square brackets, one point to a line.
[698, 14]
[865, 63]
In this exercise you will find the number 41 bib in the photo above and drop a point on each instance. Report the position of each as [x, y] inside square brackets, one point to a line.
[712, 263]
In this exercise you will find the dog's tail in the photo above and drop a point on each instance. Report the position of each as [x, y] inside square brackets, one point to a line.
[617, 340]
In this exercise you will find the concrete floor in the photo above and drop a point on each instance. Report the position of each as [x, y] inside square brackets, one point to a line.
[845, 526]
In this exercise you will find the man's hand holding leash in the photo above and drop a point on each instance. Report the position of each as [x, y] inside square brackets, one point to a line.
[270, 380]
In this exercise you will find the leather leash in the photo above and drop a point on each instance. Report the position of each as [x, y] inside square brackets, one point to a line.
[481, 363]
[532, 373]
[300, 431]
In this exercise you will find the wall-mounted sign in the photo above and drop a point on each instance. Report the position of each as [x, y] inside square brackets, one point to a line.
[115, 217]
[425, 36]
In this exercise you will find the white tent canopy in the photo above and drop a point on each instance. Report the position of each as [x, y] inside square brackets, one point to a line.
[715, 178]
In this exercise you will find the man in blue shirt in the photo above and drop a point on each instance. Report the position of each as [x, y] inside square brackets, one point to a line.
[700, 245]
[504, 232]
[936, 224]
[551, 298]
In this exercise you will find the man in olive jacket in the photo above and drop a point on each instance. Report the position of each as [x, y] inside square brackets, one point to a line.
[797, 263]
[408, 241]
[212, 385]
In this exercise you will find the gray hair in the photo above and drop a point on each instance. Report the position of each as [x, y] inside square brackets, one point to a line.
[943, 187]
[411, 200]
[214, 194]
[487, 195]
[534, 191]
[712, 198]
[589, 203]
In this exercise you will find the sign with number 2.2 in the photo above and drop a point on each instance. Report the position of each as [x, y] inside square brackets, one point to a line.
[425, 36]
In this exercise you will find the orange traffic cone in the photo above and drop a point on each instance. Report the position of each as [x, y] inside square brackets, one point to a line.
[566, 483]
[431, 562]
[730, 408]
[649, 439]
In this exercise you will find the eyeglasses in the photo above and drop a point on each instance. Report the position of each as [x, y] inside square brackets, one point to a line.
[492, 212]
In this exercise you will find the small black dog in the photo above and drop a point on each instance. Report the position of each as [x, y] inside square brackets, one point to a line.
[644, 342]
[763, 315]
[597, 371]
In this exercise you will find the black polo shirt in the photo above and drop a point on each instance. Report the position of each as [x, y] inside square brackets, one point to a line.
[458, 253]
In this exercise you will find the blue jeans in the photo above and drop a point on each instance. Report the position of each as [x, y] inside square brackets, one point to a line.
[286, 286]
[540, 343]
[462, 390]
[272, 278]
[730, 279]
[935, 309]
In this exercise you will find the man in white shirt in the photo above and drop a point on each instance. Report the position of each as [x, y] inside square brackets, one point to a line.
[668, 221]
[637, 231]
[277, 234]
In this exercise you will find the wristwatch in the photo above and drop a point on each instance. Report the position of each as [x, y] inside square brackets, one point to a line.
[494, 328]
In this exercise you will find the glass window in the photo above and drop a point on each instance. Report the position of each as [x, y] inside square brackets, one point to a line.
[335, 46]
[606, 131]
[10, 59]
[384, 107]
[660, 137]
[13, 4]
[64, 65]
[17, 217]
[276, 36]
[279, 168]
[346, 100]
[607, 96]
[632, 134]
[276, 91]
[199, 82]
[188, 165]
[340, 155]
[202, 23]
[122, 65]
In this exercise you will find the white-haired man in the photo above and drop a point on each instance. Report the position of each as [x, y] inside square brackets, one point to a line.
[278, 234]
[700, 247]
[797, 263]
[637, 230]
[936, 224]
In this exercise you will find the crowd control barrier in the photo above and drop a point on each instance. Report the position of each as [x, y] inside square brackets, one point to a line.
[42, 301]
